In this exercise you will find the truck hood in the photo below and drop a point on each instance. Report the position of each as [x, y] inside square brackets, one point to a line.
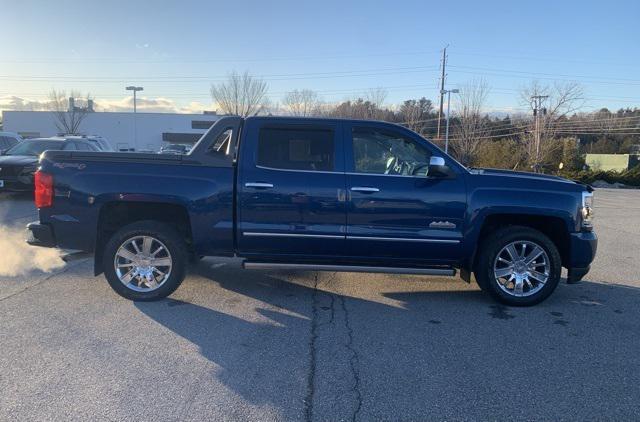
[511, 173]
[17, 160]
[529, 178]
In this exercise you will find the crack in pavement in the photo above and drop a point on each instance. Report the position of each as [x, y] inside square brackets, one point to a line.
[308, 401]
[354, 361]
[44, 279]
[317, 322]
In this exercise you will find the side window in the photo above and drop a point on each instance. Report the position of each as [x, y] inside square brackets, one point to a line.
[294, 148]
[386, 152]
[11, 141]
[70, 146]
[4, 143]
[81, 146]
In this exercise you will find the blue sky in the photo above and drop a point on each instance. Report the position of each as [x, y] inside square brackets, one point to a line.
[340, 49]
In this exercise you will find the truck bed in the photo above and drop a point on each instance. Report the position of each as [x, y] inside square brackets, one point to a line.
[118, 156]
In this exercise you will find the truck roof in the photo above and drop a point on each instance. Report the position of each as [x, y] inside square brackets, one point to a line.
[320, 119]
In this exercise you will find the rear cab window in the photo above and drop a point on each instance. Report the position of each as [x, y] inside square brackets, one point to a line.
[222, 144]
[294, 147]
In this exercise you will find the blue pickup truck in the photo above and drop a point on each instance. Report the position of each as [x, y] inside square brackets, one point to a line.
[313, 194]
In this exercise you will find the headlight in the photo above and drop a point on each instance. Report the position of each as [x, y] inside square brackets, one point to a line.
[587, 210]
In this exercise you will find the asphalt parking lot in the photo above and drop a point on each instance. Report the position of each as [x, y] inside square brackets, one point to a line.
[248, 345]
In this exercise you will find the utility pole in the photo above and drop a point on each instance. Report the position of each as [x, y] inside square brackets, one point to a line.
[442, 91]
[537, 109]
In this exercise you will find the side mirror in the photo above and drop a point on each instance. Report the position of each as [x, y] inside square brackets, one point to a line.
[437, 167]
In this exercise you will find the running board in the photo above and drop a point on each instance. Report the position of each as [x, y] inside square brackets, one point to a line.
[349, 268]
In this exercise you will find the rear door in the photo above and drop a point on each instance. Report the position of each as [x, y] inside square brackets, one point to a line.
[395, 211]
[291, 189]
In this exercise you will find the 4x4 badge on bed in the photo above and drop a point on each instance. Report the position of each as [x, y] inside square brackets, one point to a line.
[442, 225]
[79, 166]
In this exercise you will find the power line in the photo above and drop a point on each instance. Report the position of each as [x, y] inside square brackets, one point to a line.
[546, 78]
[208, 77]
[543, 73]
[493, 136]
[543, 59]
[188, 95]
[192, 59]
[274, 77]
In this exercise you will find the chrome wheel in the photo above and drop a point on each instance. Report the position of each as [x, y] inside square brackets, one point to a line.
[522, 268]
[143, 263]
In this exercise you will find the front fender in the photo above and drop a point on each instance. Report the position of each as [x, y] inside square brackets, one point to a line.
[515, 205]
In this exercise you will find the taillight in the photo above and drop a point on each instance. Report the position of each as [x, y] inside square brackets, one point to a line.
[44, 189]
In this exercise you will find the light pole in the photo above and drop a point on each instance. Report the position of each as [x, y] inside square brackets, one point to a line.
[446, 134]
[135, 89]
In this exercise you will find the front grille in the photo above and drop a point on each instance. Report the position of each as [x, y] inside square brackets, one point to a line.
[10, 170]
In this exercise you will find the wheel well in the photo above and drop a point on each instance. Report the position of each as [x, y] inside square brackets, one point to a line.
[554, 227]
[115, 215]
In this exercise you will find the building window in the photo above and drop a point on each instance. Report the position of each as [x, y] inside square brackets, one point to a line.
[201, 124]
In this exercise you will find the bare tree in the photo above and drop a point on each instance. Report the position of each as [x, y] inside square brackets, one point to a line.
[376, 96]
[470, 125]
[416, 114]
[302, 103]
[241, 95]
[603, 121]
[562, 99]
[69, 112]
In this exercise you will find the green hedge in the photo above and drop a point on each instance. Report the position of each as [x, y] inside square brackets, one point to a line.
[629, 177]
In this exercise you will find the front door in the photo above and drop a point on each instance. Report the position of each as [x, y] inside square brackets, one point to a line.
[396, 212]
[291, 190]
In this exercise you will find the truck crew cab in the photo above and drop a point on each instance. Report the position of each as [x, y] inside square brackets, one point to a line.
[314, 194]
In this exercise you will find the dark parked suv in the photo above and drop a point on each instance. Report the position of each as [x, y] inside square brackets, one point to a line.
[19, 163]
[8, 140]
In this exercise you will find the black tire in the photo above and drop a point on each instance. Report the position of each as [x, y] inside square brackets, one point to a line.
[164, 233]
[494, 243]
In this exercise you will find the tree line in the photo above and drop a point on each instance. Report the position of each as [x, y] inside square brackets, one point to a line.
[552, 139]
[555, 139]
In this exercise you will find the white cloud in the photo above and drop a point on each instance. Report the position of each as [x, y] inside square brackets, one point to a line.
[11, 102]
[125, 104]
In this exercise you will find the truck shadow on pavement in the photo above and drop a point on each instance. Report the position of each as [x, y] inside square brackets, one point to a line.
[315, 354]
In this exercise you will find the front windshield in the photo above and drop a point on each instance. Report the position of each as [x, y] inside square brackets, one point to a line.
[34, 148]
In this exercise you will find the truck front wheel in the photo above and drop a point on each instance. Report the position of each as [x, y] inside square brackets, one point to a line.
[518, 266]
[145, 261]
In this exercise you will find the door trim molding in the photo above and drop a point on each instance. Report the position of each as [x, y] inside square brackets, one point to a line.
[316, 236]
[299, 171]
[333, 236]
[402, 239]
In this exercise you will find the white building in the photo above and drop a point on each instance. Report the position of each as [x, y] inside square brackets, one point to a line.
[125, 131]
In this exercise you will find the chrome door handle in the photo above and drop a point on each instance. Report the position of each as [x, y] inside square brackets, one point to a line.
[364, 189]
[258, 185]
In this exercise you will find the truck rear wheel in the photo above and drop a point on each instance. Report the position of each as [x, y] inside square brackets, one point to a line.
[145, 261]
[518, 266]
